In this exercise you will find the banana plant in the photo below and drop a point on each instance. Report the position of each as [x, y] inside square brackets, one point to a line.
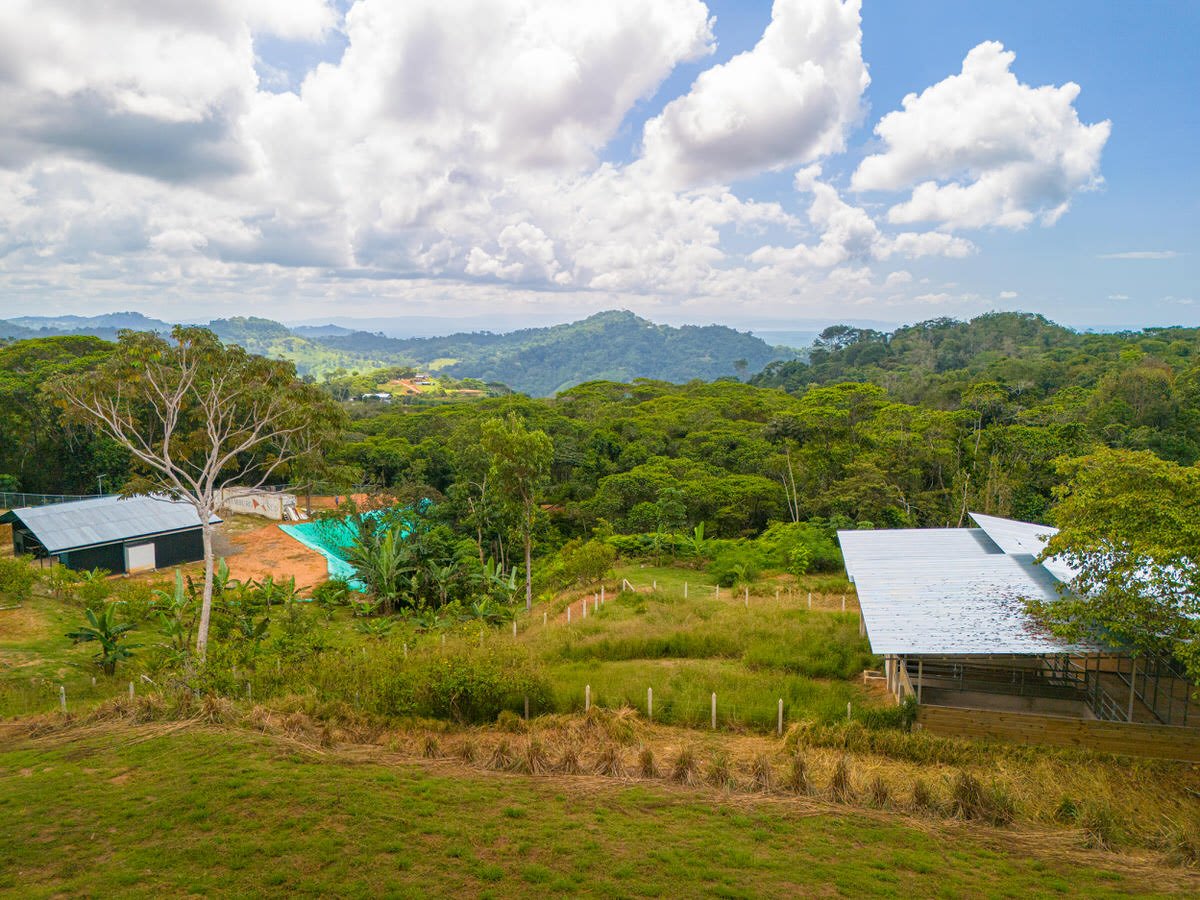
[103, 628]
[176, 616]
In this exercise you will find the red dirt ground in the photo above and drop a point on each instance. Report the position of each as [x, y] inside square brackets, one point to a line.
[262, 550]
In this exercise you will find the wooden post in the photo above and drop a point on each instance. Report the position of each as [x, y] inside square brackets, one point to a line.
[526, 707]
[843, 602]
[654, 585]
[568, 615]
[584, 604]
[862, 627]
[847, 710]
[650, 704]
[1132, 685]
[131, 690]
[587, 698]
[249, 692]
[62, 697]
[93, 681]
[716, 592]
[405, 651]
[601, 595]
[714, 712]
[685, 590]
[514, 627]
[776, 595]
[779, 719]
[543, 617]
[920, 676]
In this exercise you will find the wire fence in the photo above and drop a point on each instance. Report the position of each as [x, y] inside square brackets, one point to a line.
[20, 499]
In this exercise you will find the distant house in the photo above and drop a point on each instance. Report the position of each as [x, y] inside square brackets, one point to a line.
[119, 534]
[379, 395]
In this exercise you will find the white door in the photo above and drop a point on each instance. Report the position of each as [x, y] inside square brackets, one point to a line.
[139, 557]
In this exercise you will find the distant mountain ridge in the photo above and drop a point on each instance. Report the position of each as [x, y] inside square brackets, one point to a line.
[615, 345]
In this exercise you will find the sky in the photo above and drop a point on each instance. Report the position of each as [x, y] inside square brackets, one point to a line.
[518, 161]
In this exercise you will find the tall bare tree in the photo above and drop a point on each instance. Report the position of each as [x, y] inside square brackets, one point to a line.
[201, 419]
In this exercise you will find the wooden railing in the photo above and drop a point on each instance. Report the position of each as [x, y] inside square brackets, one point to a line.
[1159, 741]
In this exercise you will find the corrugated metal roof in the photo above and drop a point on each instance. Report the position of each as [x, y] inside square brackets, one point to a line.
[1025, 537]
[947, 591]
[105, 520]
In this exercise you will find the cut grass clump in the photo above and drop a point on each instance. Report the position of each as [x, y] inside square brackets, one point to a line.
[609, 762]
[684, 767]
[429, 747]
[923, 799]
[762, 773]
[535, 760]
[568, 761]
[878, 794]
[647, 767]
[719, 773]
[797, 780]
[971, 799]
[502, 757]
[1100, 825]
[468, 750]
[841, 785]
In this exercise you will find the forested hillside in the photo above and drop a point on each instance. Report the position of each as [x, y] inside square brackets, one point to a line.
[537, 361]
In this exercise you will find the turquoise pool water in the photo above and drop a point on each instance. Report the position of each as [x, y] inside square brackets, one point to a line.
[332, 538]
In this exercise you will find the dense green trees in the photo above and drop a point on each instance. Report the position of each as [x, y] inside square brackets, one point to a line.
[1130, 525]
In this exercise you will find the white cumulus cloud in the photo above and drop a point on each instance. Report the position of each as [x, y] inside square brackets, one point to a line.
[980, 148]
[790, 99]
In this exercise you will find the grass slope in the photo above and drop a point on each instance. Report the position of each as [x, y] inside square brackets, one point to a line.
[158, 812]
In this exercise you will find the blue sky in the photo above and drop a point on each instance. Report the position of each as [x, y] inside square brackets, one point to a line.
[516, 161]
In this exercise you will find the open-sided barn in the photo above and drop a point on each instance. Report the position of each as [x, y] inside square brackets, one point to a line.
[119, 534]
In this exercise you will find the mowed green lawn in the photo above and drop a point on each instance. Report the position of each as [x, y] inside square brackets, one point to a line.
[135, 812]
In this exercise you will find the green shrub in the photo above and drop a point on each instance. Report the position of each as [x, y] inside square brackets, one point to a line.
[586, 562]
[800, 548]
[17, 577]
[736, 565]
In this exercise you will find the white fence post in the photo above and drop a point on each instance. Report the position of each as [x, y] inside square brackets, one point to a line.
[62, 697]
[601, 595]
[810, 599]
[568, 615]
[843, 602]
[587, 698]
[747, 596]
[650, 704]
[131, 690]
[514, 627]
[714, 711]
[779, 719]
[584, 607]
[685, 590]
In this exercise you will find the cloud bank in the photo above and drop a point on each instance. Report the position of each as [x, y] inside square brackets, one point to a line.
[462, 149]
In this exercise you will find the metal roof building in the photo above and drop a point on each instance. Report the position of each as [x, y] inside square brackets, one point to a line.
[114, 533]
[955, 591]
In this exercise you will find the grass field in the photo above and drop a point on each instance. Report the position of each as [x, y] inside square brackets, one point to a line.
[158, 811]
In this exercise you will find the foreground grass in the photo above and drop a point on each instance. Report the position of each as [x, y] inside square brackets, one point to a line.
[152, 811]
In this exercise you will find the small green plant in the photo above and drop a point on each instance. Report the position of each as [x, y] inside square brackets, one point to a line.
[93, 588]
[375, 628]
[103, 628]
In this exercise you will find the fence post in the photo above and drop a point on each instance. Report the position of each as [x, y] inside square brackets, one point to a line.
[779, 719]
[526, 707]
[543, 617]
[131, 690]
[776, 595]
[514, 627]
[568, 615]
[714, 711]
[443, 639]
[405, 652]
[716, 592]
[249, 692]
[650, 703]
[601, 595]
[685, 590]
[654, 585]
[585, 607]
[62, 697]
[810, 599]
[843, 602]
[847, 710]
[587, 698]
[746, 599]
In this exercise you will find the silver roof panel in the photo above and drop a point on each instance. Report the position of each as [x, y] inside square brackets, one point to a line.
[951, 591]
[105, 520]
